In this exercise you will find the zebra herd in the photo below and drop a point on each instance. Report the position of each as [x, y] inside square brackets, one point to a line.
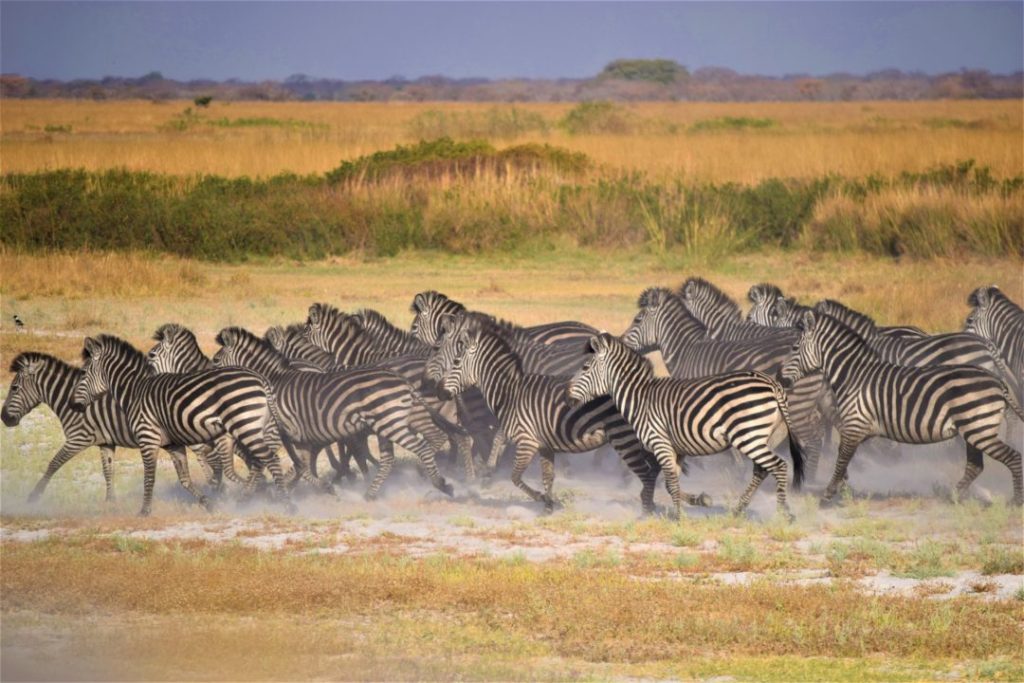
[466, 385]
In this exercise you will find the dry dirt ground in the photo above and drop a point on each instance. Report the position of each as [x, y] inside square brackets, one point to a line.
[895, 537]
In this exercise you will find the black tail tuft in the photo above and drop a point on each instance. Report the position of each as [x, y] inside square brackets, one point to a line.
[798, 461]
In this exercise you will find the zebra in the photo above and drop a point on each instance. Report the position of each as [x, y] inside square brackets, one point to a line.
[770, 308]
[674, 418]
[174, 410]
[291, 343]
[42, 379]
[430, 307]
[317, 409]
[368, 339]
[956, 348]
[720, 315]
[929, 404]
[532, 409]
[177, 351]
[664, 323]
[998, 319]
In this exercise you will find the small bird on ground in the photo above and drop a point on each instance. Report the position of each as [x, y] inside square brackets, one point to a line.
[18, 323]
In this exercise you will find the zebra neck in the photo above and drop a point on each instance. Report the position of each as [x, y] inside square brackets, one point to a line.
[625, 383]
[395, 342]
[58, 389]
[844, 361]
[677, 331]
[499, 378]
[124, 386]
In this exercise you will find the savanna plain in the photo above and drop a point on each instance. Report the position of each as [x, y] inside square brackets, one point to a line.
[826, 200]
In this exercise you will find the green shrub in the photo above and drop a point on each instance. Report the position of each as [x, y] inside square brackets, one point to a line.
[655, 70]
[731, 123]
[494, 123]
[599, 117]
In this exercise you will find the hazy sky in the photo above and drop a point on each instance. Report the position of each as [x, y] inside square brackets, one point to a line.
[355, 40]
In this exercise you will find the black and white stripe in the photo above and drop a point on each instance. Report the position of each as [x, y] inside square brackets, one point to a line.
[175, 410]
[319, 408]
[998, 319]
[41, 379]
[532, 409]
[694, 417]
[907, 404]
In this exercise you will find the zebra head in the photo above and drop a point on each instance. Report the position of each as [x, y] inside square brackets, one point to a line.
[331, 330]
[708, 304]
[428, 309]
[240, 348]
[642, 333]
[95, 379]
[591, 380]
[453, 365]
[805, 357]
[25, 392]
[176, 350]
[762, 298]
[979, 321]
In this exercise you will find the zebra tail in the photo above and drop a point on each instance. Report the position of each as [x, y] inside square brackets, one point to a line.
[1011, 399]
[445, 425]
[284, 427]
[795, 449]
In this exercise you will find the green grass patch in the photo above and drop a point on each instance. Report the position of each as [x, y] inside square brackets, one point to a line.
[732, 123]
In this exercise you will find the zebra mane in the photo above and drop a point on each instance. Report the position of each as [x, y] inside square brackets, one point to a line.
[169, 331]
[763, 291]
[481, 323]
[720, 301]
[984, 296]
[836, 310]
[614, 342]
[652, 297]
[26, 358]
[426, 299]
[109, 341]
[230, 336]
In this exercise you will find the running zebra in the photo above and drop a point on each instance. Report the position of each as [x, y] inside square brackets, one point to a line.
[770, 308]
[906, 404]
[996, 318]
[720, 315]
[664, 323]
[41, 379]
[318, 408]
[532, 410]
[675, 418]
[174, 411]
[955, 348]
[291, 343]
[429, 308]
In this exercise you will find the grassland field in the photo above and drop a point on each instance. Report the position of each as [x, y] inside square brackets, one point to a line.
[895, 583]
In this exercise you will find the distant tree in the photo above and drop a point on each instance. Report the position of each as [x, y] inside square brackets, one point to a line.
[809, 88]
[663, 71]
[203, 100]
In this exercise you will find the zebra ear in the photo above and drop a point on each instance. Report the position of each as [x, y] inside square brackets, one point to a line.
[599, 343]
[314, 314]
[755, 295]
[689, 289]
[90, 347]
[447, 323]
[357, 321]
[418, 303]
[274, 336]
[807, 321]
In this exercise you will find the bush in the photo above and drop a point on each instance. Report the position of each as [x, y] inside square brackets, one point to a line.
[495, 123]
[731, 123]
[599, 117]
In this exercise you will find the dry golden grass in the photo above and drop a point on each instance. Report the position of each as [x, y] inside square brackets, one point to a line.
[810, 140]
[63, 297]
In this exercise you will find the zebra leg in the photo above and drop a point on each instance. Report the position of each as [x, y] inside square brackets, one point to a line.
[307, 455]
[990, 444]
[424, 445]
[547, 469]
[149, 452]
[524, 456]
[387, 461]
[975, 465]
[666, 456]
[464, 446]
[180, 460]
[760, 473]
[497, 448]
[107, 463]
[847, 447]
[66, 452]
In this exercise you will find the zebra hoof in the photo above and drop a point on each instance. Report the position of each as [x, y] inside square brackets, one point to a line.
[145, 512]
[704, 500]
[206, 503]
[371, 496]
[33, 498]
[447, 489]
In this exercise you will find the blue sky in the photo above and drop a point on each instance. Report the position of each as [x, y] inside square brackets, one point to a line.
[356, 40]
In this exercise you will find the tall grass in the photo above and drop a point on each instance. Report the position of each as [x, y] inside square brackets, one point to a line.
[809, 140]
